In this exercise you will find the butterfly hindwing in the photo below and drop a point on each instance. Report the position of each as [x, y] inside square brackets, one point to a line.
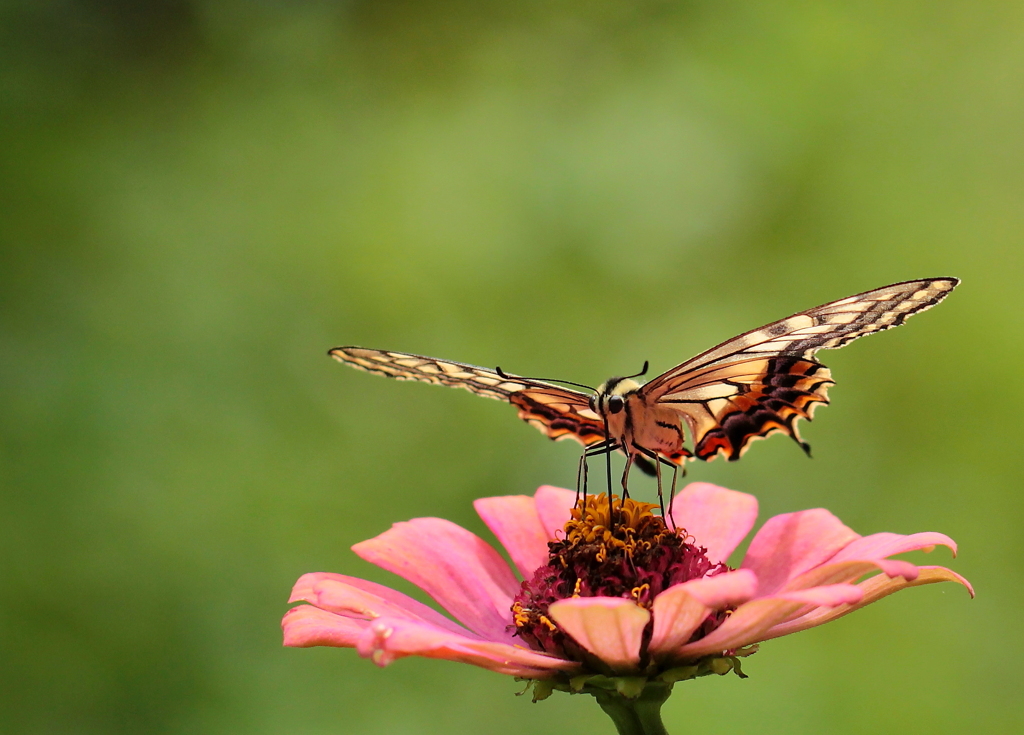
[558, 412]
[558, 416]
[736, 403]
[765, 380]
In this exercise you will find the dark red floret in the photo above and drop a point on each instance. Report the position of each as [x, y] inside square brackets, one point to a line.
[636, 557]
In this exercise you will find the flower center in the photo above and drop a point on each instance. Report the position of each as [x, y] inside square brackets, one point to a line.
[635, 555]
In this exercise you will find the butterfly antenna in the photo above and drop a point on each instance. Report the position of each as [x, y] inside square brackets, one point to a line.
[506, 376]
[642, 372]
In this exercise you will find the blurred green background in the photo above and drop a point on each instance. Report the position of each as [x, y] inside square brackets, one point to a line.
[198, 199]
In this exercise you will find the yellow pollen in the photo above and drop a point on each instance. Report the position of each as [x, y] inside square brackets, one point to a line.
[576, 589]
[593, 519]
[520, 617]
[548, 624]
[631, 526]
[638, 592]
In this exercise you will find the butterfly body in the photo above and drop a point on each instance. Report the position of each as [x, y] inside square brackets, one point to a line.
[639, 426]
[749, 387]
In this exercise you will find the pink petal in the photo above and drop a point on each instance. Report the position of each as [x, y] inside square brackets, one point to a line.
[611, 628]
[751, 621]
[897, 568]
[865, 554]
[553, 506]
[722, 590]
[356, 598]
[828, 595]
[388, 639]
[717, 518]
[460, 570]
[791, 544]
[680, 609]
[850, 571]
[305, 626]
[881, 545]
[874, 589]
[514, 520]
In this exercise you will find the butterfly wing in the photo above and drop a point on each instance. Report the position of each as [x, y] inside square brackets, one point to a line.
[558, 412]
[765, 380]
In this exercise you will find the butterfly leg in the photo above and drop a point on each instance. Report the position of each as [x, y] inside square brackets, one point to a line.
[608, 469]
[672, 493]
[630, 458]
[658, 461]
[581, 479]
[672, 490]
[606, 446]
[661, 498]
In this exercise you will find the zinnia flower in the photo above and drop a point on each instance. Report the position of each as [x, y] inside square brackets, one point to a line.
[621, 609]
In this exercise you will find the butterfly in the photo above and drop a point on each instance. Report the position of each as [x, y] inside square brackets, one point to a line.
[749, 387]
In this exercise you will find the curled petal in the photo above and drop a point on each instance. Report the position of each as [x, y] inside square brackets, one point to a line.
[881, 545]
[719, 519]
[356, 598]
[514, 520]
[751, 621]
[897, 568]
[828, 595]
[790, 544]
[867, 553]
[611, 628]
[874, 589]
[454, 566]
[388, 639]
[306, 626]
[554, 505]
[681, 608]
[850, 571]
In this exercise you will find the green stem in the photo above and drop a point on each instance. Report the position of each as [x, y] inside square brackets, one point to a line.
[640, 716]
[621, 712]
[648, 709]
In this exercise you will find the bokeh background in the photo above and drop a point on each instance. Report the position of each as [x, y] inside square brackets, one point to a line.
[198, 198]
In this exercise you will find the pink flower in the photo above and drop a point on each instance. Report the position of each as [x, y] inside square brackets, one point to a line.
[638, 602]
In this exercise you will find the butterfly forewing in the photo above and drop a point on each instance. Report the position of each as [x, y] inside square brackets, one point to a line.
[826, 327]
[558, 412]
[765, 380]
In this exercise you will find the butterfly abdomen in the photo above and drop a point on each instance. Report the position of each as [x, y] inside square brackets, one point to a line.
[659, 429]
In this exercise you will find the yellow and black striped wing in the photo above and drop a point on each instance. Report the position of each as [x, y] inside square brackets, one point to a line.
[558, 412]
[762, 382]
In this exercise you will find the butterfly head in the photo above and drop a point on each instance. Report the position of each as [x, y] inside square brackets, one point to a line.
[611, 395]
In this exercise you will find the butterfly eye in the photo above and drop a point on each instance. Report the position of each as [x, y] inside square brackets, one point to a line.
[615, 404]
[592, 405]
